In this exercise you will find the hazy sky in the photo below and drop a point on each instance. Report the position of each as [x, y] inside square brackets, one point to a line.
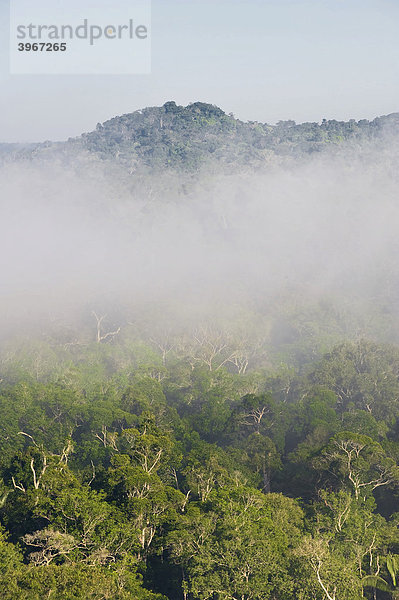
[262, 60]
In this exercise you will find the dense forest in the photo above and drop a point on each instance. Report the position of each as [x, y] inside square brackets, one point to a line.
[171, 465]
[188, 138]
[199, 361]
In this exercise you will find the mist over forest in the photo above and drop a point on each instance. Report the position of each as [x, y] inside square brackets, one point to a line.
[199, 360]
[118, 218]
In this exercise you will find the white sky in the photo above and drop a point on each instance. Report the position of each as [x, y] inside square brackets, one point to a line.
[263, 60]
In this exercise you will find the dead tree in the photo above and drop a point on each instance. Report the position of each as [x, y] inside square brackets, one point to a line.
[101, 336]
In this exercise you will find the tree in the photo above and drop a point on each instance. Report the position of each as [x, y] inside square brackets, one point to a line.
[263, 457]
[358, 461]
[239, 547]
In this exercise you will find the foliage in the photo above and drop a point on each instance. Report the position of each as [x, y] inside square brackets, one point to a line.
[183, 477]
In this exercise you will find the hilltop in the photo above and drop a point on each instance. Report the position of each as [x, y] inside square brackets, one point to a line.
[186, 138]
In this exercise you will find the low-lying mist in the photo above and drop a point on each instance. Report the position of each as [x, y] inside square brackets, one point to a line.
[82, 236]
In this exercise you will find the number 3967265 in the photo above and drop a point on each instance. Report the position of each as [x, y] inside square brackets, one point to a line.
[42, 47]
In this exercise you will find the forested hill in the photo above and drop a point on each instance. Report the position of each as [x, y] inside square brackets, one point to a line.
[189, 137]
